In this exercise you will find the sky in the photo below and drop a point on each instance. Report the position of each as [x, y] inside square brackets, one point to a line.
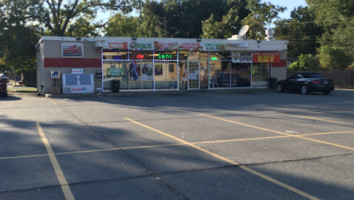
[289, 4]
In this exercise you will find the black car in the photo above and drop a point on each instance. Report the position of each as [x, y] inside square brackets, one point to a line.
[306, 83]
[3, 86]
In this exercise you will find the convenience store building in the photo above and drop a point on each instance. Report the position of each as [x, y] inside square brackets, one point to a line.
[111, 64]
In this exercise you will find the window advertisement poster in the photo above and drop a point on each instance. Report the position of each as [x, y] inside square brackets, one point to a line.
[78, 83]
[72, 50]
[241, 57]
[55, 74]
[116, 72]
[266, 57]
[158, 69]
[147, 72]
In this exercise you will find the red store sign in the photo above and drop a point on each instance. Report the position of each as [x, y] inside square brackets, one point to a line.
[266, 57]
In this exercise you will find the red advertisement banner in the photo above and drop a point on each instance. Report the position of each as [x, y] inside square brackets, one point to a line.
[266, 57]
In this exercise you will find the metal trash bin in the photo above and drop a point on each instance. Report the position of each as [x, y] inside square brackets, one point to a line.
[272, 83]
[115, 85]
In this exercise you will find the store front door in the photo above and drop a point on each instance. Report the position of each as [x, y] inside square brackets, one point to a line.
[193, 75]
[260, 73]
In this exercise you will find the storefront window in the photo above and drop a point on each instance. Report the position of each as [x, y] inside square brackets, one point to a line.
[204, 74]
[118, 56]
[220, 70]
[114, 70]
[260, 74]
[241, 74]
[166, 70]
[166, 75]
[191, 70]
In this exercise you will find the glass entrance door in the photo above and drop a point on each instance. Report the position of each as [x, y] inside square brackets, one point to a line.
[193, 75]
[260, 74]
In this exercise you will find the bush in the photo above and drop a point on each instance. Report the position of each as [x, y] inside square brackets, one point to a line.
[332, 58]
[305, 62]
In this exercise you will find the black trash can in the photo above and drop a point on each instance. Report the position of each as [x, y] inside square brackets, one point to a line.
[115, 84]
[272, 82]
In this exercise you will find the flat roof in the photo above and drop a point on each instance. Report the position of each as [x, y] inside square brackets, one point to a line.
[225, 44]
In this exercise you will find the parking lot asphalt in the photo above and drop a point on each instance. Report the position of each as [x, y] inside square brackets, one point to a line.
[203, 145]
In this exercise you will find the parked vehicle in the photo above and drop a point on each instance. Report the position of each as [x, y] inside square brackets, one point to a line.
[306, 83]
[3, 86]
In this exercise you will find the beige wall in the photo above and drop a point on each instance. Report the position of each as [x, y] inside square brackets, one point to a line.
[47, 48]
[279, 73]
[49, 83]
[52, 48]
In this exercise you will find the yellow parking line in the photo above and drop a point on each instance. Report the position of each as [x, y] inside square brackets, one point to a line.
[50, 99]
[326, 133]
[59, 173]
[247, 125]
[239, 140]
[176, 144]
[183, 142]
[268, 178]
[320, 119]
[25, 156]
[278, 132]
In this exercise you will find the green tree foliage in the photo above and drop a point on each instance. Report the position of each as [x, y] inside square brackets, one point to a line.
[300, 31]
[83, 27]
[260, 15]
[179, 18]
[337, 19]
[24, 21]
[241, 12]
[120, 25]
[332, 58]
[305, 62]
[17, 38]
[152, 20]
[228, 26]
[193, 12]
[58, 15]
[20, 49]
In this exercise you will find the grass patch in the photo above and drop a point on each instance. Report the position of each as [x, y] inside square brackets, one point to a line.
[22, 89]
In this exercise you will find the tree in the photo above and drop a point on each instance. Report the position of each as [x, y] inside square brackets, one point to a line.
[230, 23]
[337, 19]
[153, 23]
[301, 32]
[332, 58]
[242, 12]
[260, 15]
[180, 18]
[58, 15]
[24, 21]
[83, 27]
[120, 25]
[17, 38]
